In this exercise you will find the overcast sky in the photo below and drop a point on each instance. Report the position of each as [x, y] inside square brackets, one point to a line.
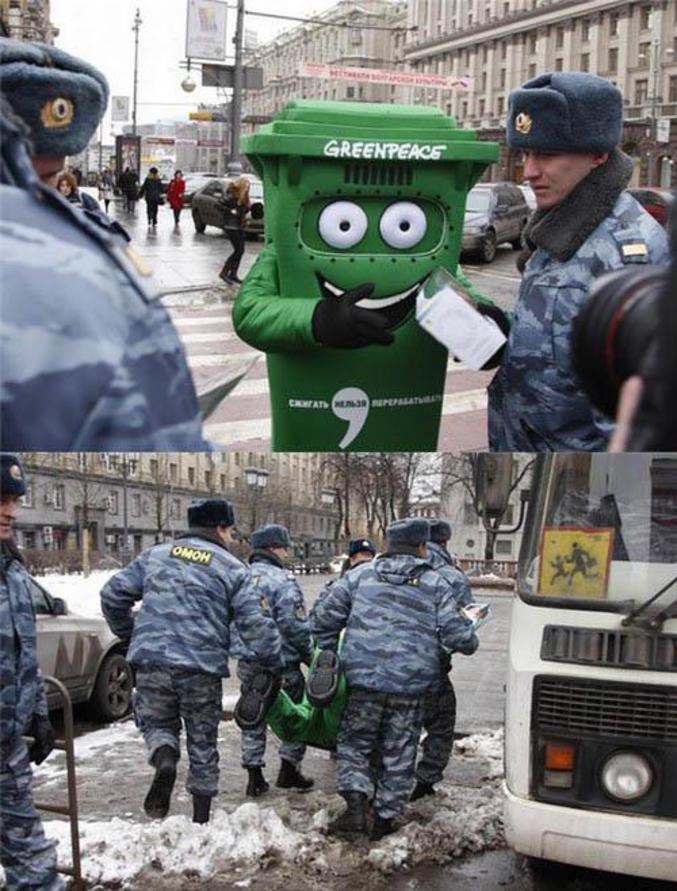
[101, 32]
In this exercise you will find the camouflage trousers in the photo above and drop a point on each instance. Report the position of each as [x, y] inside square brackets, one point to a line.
[28, 858]
[439, 720]
[163, 698]
[254, 741]
[379, 724]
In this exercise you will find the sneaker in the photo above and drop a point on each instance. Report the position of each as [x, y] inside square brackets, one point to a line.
[258, 694]
[323, 679]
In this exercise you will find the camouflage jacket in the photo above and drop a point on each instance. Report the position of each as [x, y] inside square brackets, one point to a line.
[278, 587]
[399, 613]
[89, 359]
[22, 693]
[191, 589]
[535, 403]
[443, 562]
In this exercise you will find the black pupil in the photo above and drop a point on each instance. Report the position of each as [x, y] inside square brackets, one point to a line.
[405, 226]
[344, 225]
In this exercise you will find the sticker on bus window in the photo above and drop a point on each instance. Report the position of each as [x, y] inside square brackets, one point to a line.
[575, 561]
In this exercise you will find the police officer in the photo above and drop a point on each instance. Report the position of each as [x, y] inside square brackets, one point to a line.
[568, 125]
[190, 588]
[360, 550]
[28, 858]
[275, 585]
[84, 344]
[397, 613]
[439, 703]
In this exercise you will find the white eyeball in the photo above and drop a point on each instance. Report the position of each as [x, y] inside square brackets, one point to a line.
[343, 224]
[403, 224]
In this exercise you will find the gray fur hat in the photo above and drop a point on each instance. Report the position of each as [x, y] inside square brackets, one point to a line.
[273, 535]
[59, 97]
[565, 112]
[440, 531]
[411, 531]
[211, 512]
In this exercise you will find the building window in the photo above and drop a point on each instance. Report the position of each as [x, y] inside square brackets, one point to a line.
[533, 41]
[532, 70]
[558, 64]
[208, 480]
[585, 30]
[136, 505]
[643, 54]
[350, 92]
[613, 24]
[482, 107]
[502, 78]
[559, 38]
[191, 476]
[175, 508]
[222, 481]
[469, 514]
[585, 62]
[503, 547]
[173, 472]
[613, 60]
[500, 105]
[154, 468]
[673, 88]
[641, 91]
[112, 502]
[645, 18]
[504, 50]
[59, 497]
[485, 54]
[27, 499]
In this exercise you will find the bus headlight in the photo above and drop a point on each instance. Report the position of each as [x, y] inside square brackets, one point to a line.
[626, 776]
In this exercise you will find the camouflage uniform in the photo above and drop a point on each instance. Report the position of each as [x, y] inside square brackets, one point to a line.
[190, 589]
[398, 613]
[439, 704]
[28, 858]
[270, 580]
[535, 403]
[85, 343]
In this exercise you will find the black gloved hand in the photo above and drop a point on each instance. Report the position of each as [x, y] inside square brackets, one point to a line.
[496, 314]
[337, 322]
[41, 731]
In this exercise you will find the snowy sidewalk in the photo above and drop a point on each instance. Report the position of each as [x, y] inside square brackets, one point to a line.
[277, 842]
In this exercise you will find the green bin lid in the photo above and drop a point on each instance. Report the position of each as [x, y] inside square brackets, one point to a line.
[367, 131]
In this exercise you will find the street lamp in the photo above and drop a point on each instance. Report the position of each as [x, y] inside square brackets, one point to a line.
[135, 29]
[257, 480]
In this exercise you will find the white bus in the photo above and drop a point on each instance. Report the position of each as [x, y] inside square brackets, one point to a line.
[591, 708]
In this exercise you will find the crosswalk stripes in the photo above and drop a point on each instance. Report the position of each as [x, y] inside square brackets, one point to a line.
[243, 420]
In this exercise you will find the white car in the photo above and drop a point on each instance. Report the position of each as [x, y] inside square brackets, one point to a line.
[84, 655]
[529, 195]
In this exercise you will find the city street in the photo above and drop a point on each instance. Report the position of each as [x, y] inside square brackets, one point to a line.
[186, 267]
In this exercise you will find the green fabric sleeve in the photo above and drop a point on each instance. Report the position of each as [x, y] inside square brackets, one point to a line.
[474, 292]
[267, 321]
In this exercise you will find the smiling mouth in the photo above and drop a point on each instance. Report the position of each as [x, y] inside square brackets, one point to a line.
[395, 307]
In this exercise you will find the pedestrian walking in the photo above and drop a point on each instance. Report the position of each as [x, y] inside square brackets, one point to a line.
[151, 191]
[106, 188]
[568, 125]
[439, 703]
[190, 589]
[28, 858]
[274, 582]
[129, 186]
[398, 614]
[84, 344]
[175, 192]
[237, 206]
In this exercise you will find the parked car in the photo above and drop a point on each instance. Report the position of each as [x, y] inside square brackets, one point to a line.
[656, 202]
[195, 182]
[84, 655]
[494, 213]
[208, 206]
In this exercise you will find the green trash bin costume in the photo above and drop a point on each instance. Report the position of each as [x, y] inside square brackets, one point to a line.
[355, 193]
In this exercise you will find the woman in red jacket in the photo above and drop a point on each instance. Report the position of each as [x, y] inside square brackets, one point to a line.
[175, 192]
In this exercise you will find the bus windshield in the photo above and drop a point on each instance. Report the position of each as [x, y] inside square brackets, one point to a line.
[601, 531]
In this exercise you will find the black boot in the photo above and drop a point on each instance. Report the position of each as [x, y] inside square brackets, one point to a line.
[257, 784]
[224, 275]
[422, 789]
[201, 806]
[159, 795]
[353, 819]
[290, 777]
[382, 826]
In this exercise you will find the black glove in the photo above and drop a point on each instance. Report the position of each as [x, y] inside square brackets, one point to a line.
[496, 314]
[337, 322]
[42, 733]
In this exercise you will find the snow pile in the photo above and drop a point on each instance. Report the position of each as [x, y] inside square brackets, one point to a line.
[120, 850]
[483, 746]
[80, 593]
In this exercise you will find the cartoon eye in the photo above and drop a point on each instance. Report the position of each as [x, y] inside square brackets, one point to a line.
[57, 112]
[403, 224]
[343, 224]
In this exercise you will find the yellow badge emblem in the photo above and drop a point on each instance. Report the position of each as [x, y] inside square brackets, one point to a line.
[523, 122]
[634, 250]
[191, 555]
[15, 472]
[57, 112]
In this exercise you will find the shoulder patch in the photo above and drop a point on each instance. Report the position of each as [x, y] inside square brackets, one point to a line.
[191, 555]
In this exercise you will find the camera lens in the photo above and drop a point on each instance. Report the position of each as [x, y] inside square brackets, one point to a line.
[616, 332]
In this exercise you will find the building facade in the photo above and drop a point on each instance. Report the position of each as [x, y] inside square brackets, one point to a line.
[366, 34]
[28, 20]
[502, 43]
[127, 502]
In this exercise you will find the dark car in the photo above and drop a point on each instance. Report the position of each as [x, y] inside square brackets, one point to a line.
[209, 208]
[656, 202]
[494, 213]
[84, 655]
[195, 182]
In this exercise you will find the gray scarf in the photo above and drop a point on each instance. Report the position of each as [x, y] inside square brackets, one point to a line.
[562, 229]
